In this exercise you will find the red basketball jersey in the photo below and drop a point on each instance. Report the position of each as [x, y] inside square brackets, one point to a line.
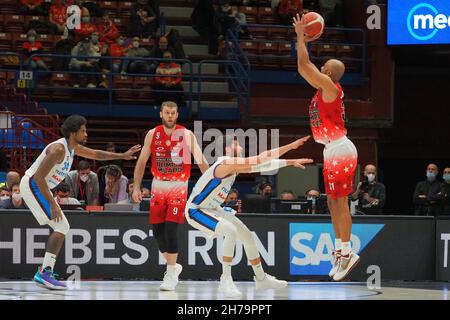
[171, 158]
[327, 119]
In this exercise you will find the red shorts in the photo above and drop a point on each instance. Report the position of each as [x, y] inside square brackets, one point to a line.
[168, 200]
[340, 159]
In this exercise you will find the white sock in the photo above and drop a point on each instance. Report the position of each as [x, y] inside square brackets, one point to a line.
[49, 260]
[171, 269]
[259, 272]
[226, 269]
[337, 244]
[346, 248]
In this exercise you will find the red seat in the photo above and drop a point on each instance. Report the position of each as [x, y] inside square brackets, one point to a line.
[142, 82]
[251, 14]
[251, 49]
[346, 51]
[60, 79]
[123, 82]
[121, 24]
[147, 43]
[18, 40]
[110, 7]
[278, 33]
[124, 8]
[266, 16]
[269, 54]
[9, 7]
[285, 49]
[6, 41]
[14, 23]
[259, 32]
[268, 47]
[334, 35]
[47, 42]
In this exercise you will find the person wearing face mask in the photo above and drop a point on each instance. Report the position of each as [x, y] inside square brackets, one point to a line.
[371, 194]
[314, 195]
[62, 195]
[87, 28]
[31, 47]
[425, 195]
[57, 17]
[15, 201]
[80, 63]
[5, 194]
[167, 84]
[83, 184]
[136, 65]
[117, 49]
[444, 193]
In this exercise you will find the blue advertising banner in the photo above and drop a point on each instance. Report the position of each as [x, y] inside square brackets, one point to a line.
[418, 22]
[311, 245]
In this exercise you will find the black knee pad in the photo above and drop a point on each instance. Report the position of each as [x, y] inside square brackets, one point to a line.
[172, 237]
[159, 232]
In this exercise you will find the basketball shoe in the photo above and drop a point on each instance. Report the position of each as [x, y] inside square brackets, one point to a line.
[345, 265]
[269, 282]
[46, 278]
[170, 281]
[228, 288]
[334, 262]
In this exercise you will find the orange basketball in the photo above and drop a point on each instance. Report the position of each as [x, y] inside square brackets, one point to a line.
[314, 25]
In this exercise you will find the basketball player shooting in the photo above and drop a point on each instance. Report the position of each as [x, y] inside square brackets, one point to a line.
[327, 116]
[170, 145]
[48, 171]
[204, 209]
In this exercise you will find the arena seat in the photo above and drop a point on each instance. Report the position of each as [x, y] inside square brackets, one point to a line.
[9, 7]
[251, 48]
[14, 23]
[278, 33]
[6, 41]
[18, 39]
[110, 8]
[346, 51]
[47, 42]
[251, 14]
[122, 24]
[124, 8]
[259, 32]
[267, 16]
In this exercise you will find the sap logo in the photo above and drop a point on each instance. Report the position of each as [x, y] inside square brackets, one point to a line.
[428, 19]
[311, 245]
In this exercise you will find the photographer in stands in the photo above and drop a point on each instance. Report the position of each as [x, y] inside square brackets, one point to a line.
[371, 195]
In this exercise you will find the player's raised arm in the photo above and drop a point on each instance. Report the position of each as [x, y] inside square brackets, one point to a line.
[140, 166]
[102, 155]
[55, 155]
[306, 68]
[266, 161]
[196, 151]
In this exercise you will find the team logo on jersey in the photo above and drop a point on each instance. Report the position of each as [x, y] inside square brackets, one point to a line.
[160, 149]
[168, 143]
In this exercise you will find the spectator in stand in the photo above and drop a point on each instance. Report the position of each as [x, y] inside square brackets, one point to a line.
[57, 17]
[371, 194]
[116, 185]
[63, 47]
[92, 6]
[168, 79]
[287, 195]
[230, 18]
[5, 193]
[174, 38]
[332, 12]
[86, 26]
[79, 63]
[110, 147]
[425, 195]
[206, 22]
[62, 195]
[117, 49]
[15, 201]
[108, 30]
[163, 46]
[32, 7]
[101, 48]
[144, 21]
[135, 65]
[265, 190]
[287, 9]
[233, 200]
[33, 47]
[444, 193]
[12, 178]
[83, 184]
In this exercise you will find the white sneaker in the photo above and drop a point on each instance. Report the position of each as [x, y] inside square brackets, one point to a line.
[335, 263]
[171, 281]
[76, 85]
[345, 265]
[269, 282]
[228, 288]
[91, 85]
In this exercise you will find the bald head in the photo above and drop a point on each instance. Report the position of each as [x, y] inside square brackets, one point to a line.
[370, 168]
[12, 178]
[334, 68]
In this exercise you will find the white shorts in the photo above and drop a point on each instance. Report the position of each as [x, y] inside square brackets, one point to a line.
[206, 219]
[36, 202]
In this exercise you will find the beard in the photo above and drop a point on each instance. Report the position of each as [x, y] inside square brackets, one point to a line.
[82, 141]
[169, 126]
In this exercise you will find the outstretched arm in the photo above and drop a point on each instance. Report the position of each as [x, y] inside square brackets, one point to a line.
[106, 155]
[253, 164]
[306, 68]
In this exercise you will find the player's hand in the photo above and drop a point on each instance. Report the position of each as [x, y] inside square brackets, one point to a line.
[299, 142]
[299, 25]
[299, 163]
[55, 211]
[136, 196]
[129, 155]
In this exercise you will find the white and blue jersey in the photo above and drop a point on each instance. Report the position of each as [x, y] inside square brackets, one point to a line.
[204, 205]
[31, 194]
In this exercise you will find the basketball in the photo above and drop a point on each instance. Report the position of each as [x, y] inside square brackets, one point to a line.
[314, 25]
